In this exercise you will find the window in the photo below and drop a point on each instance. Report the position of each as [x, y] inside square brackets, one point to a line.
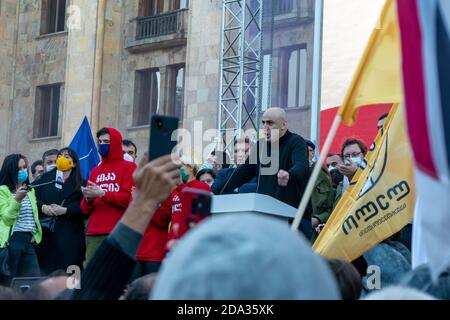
[179, 4]
[176, 91]
[283, 6]
[293, 78]
[147, 92]
[53, 16]
[151, 8]
[47, 111]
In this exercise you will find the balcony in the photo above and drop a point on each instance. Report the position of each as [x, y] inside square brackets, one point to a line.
[157, 32]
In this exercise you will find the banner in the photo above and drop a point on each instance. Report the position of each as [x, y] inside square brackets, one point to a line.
[380, 200]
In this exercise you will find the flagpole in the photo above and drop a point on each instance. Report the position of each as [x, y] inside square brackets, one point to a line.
[315, 174]
[317, 73]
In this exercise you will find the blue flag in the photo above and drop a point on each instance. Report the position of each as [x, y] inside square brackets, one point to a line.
[83, 144]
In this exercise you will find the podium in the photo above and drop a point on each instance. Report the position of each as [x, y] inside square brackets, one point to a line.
[251, 203]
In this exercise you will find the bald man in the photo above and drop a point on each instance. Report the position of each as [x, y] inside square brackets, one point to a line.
[288, 181]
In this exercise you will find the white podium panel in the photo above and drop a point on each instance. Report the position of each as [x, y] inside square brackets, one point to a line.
[251, 203]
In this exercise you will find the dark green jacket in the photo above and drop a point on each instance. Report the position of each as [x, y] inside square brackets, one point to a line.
[322, 198]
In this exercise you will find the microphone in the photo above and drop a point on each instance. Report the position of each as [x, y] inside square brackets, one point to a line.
[228, 180]
[41, 185]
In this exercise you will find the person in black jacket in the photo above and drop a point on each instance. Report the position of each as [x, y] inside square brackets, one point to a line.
[58, 194]
[279, 162]
[107, 274]
[241, 153]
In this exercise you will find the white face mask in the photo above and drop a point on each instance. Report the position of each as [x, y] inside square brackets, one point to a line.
[357, 160]
[50, 167]
[127, 157]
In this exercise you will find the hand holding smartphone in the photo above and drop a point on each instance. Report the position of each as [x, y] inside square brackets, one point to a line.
[161, 130]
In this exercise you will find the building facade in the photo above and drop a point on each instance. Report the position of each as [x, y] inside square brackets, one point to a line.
[119, 61]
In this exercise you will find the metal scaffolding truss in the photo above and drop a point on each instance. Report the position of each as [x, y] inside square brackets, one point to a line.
[240, 67]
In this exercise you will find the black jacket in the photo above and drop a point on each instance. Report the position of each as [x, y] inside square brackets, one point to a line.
[222, 179]
[292, 156]
[107, 274]
[64, 246]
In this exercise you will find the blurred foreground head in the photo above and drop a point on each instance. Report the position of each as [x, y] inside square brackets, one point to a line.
[399, 293]
[243, 256]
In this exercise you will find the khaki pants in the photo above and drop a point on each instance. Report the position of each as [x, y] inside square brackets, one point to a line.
[92, 244]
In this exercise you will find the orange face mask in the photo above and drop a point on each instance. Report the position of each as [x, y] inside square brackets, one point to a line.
[63, 164]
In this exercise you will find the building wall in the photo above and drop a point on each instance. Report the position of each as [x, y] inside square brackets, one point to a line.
[288, 35]
[203, 55]
[69, 58]
[7, 39]
[80, 69]
[112, 62]
[40, 60]
[132, 61]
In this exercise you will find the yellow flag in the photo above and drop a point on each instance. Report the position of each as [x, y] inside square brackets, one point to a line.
[380, 201]
[378, 77]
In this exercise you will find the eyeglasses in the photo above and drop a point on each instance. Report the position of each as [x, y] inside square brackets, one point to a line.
[352, 155]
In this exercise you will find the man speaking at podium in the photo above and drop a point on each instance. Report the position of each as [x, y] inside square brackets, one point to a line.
[280, 163]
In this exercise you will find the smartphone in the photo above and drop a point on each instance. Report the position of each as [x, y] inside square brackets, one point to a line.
[24, 288]
[24, 284]
[196, 205]
[161, 129]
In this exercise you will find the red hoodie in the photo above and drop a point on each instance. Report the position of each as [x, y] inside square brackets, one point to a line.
[153, 244]
[115, 176]
[180, 217]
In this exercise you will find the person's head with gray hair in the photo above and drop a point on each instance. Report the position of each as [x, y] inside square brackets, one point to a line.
[399, 293]
[244, 257]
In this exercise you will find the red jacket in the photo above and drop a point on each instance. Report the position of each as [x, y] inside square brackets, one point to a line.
[153, 244]
[179, 225]
[115, 176]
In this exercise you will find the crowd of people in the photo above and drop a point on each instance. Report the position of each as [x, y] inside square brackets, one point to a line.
[127, 223]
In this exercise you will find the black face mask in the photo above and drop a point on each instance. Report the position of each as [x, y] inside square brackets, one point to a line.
[336, 176]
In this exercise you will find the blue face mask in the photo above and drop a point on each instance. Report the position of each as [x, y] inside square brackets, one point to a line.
[207, 165]
[22, 176]
[103, 149]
